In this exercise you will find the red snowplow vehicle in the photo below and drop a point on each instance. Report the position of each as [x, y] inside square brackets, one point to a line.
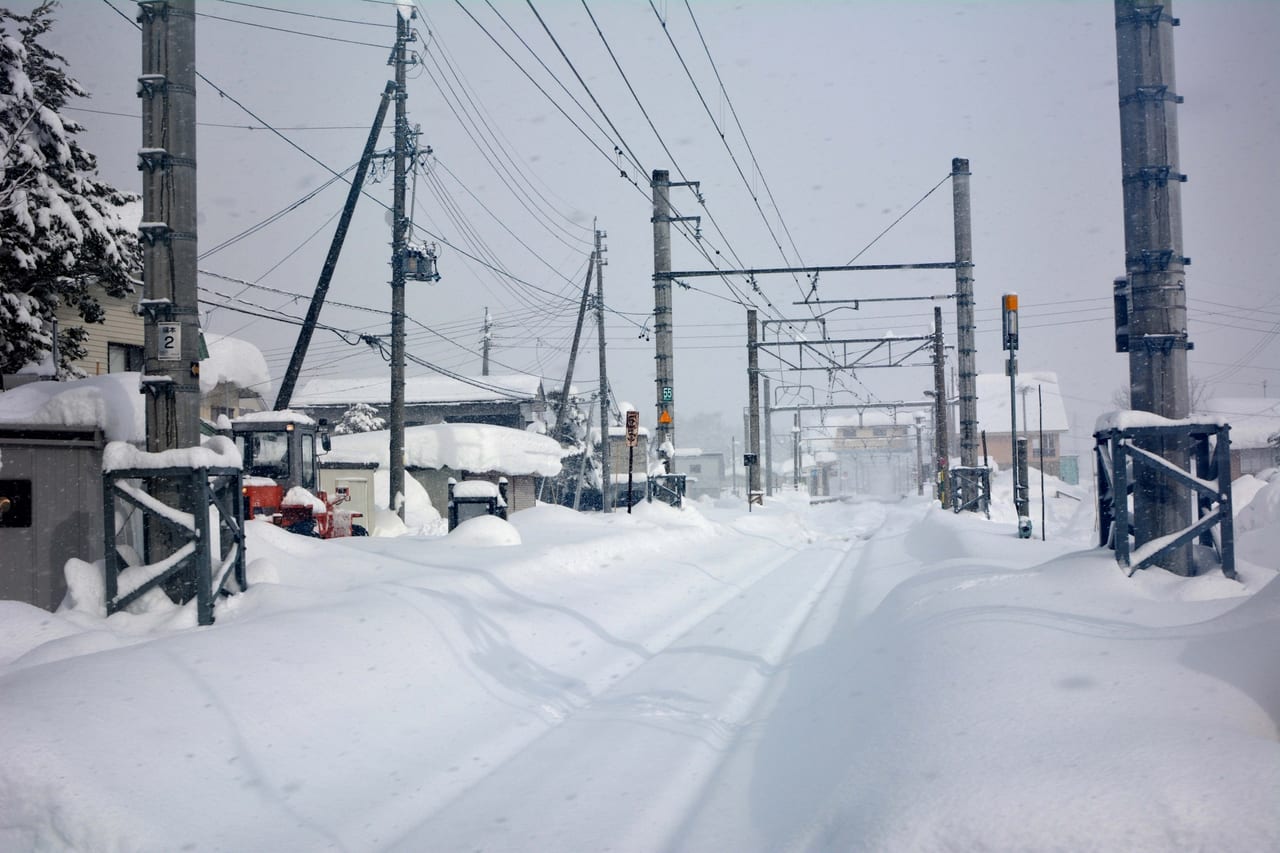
[281, 476]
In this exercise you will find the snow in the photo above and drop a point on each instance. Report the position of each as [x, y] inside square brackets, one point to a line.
[418, 389]
[284, 416]
[993, 402]
[462, 447]
[216, 452]
[233, 361]
[298, 496]
[1131, 419]
[111, 403]
[475, 489]
[1253, 420]
[862, 675]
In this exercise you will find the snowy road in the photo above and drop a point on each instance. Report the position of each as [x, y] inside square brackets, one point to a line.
[863, 676]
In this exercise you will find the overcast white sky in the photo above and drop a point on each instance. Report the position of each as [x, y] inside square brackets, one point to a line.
[853, 112]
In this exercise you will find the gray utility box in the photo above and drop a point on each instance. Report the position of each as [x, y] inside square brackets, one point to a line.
[52, 478]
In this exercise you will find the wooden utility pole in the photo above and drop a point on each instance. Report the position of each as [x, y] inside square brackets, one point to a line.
[399, 226]
[1157, 300]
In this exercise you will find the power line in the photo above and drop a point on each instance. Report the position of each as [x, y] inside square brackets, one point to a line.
[290, 32]
[307, 14]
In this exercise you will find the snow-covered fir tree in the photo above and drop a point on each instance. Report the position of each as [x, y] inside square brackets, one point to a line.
[361, 417]
[60, 225]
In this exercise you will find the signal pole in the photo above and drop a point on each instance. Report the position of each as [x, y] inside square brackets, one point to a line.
[404, 34]
[1157, 322]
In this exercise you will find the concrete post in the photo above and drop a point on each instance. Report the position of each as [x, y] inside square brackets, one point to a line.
[664, 381]
[167, 159]
[1157, 339]
[753, 404]
[966, 348]
[398, 246]
[606, 451]
[943, 460]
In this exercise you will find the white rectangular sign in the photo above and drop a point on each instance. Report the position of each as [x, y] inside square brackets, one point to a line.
[169, 345]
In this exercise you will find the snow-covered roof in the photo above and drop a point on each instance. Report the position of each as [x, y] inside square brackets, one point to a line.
[431, 388]
[111, 402]
[233, 361]
[1253, 420]
[463, 447]
[286, 416]
[993, 402]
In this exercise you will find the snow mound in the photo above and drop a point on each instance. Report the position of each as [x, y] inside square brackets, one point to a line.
[110, 403]
[485, 531]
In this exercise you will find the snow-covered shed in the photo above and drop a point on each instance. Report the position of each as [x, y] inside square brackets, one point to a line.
[993, 417]
[435, 452]
[704, 471]
[511, 400]
[52, 436]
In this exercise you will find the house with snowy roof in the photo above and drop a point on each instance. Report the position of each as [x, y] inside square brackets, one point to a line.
[1255, 430]
[1033, 421]
[513, 400]
[436, 453]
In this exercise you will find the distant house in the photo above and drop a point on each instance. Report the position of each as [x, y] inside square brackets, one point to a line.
[434, 453]
[993, 419]
[704, 472]
[1255, 422]
[514, 401]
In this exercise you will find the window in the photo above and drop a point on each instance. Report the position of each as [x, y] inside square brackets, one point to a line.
[695, 468]
[123, 357]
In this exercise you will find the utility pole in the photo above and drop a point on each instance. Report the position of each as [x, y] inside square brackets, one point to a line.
[940, 409]
[404, 34]
[300, 347]
[662, 321]
[606, 449]
[966, 347]
[768, 439]
[753, 407]
[167, 160]
[557, 433]
[486, 340]
[1157, 308]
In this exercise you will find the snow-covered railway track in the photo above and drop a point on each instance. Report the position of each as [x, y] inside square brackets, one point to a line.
[625, 766]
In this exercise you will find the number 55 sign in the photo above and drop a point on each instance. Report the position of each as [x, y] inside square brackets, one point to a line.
[169, 347]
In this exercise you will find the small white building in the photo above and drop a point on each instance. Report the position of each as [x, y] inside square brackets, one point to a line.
[434, 453]
[704, 471]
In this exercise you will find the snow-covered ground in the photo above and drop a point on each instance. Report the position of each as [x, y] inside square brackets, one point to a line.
[845, 676]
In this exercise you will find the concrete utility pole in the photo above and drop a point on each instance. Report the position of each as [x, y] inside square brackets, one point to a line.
[768, 438]
[966, 348]
[167, 87]
[942, 458]
[558, 432]
[486, 339]
[664, 380]
[665, 369]
[606, 450]
[1157, 322]
[753, 406]
[399, 224]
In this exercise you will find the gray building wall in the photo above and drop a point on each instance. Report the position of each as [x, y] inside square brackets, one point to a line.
[63, 468]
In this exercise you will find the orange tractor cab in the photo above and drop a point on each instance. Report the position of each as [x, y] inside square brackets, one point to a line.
[281, 475]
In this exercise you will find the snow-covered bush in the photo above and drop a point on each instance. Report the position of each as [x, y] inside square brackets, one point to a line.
[360, 417]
